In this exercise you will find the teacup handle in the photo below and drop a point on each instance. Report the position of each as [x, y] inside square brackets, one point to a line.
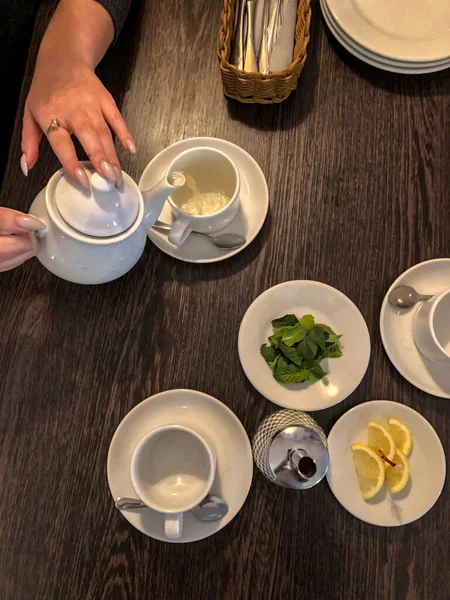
[173, 526]
[179, 231]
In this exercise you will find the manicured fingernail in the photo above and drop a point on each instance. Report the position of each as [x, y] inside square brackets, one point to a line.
[119, 177]
[130, 145]
[108, 171]
[30, 223]
[23, 165]
[80, 174]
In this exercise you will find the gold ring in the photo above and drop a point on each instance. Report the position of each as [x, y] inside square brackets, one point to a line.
[55, 124]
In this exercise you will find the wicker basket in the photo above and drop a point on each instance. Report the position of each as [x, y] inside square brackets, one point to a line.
[256, 87]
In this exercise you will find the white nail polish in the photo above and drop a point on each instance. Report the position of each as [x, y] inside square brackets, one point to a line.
[108, 171]
[119, 177]
[24, 165]
[30, 223]
[131, 147]
[80, 174]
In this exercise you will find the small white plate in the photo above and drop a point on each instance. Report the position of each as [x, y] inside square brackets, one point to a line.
[429, 277]
[254, 201]
[221, 429]
[378, 61]
[427, 464]
[329, 306]
[401, 30]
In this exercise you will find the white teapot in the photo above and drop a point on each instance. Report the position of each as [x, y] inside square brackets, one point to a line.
[96, 235]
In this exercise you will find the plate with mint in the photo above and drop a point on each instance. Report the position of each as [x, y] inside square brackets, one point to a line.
[304, 345]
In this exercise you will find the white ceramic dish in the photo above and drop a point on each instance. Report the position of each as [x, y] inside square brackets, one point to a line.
[328, 305]
[254, 201]
[404, 30]
[429, 277]
[221, 429]
[379, 62]
[427, 464]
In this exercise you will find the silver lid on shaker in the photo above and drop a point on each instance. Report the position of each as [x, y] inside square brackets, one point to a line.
[290, 449]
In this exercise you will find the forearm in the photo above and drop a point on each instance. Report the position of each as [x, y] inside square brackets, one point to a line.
[80, 31]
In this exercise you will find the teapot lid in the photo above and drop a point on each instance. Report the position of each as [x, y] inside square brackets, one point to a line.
[102, 211]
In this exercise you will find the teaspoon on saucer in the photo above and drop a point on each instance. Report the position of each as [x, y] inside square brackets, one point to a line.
[406, 296]
[212, 508]
[226, 241]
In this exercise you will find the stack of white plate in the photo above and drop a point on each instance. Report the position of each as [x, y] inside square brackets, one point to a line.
[402, 36]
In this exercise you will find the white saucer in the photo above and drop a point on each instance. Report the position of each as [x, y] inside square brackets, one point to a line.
[402, 30]
[329, 306]
[378, 61]
[221, 429]
[254, 197]
[430, 277]
[427, 464]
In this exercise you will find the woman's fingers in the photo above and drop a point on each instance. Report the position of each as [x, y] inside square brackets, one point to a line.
[14, 245]
[16, 261]
[118, 125]
[95, 137]
[107, 142]
[64, 149]
[13, 221]
[31, 138]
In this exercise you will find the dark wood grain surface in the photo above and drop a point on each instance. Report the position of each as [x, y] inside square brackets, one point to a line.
[357, 162]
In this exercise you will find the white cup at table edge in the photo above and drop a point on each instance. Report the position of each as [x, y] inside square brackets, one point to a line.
[173, 514]
[427, 332]
[184, 222]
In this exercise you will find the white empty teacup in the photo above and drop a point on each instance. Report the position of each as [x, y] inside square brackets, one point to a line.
[209, 200]
[431, 328]
[172, 470]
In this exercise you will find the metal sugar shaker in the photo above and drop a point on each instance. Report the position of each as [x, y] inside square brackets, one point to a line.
[291, 450]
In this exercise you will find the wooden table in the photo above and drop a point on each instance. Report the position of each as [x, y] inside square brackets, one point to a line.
[357, 162]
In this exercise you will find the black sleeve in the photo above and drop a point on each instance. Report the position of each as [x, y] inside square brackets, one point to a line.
[118, 9]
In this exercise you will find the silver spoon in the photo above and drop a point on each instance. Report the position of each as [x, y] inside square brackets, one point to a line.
[406, 296]
[212, 508]
[226, 241]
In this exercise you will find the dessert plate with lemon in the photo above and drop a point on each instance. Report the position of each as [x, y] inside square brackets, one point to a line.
[387, 464]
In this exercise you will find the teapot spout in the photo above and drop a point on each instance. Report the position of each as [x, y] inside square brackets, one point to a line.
[155, 197]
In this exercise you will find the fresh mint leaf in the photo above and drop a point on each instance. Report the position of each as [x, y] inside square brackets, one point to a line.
[315, 371]
[269, 353]
[333, 351]
[297, 348]
[318, 335]
[307, 321]
[332, 348]
[273, 364]
[333, 339]
[275, 339]
[293, 335]
[291, 353]
[286, 321]
[287, 372]
[307, 349]
[327, 328]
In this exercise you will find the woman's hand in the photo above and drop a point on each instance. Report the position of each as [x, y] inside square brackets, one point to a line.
[66, 88]
[15, 243]
[74, 95]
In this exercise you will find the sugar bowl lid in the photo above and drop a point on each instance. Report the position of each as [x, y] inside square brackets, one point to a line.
[102, 211]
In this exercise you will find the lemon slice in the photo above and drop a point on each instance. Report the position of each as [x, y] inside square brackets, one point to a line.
[401, 435]
[398, 476]
[381, 439]
[370, 470]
